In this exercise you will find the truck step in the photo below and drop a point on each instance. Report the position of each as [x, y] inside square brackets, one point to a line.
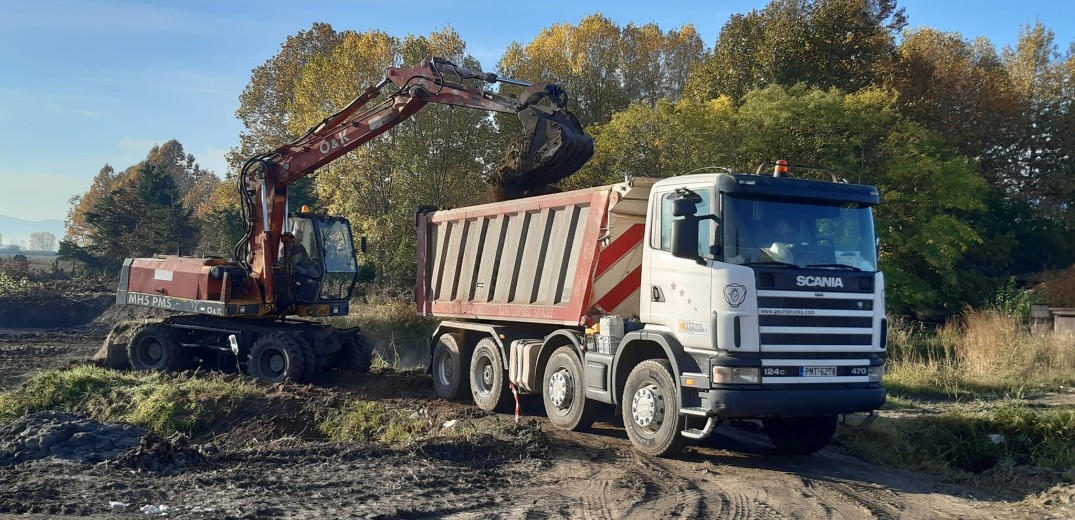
[695, 433]
[690, 410]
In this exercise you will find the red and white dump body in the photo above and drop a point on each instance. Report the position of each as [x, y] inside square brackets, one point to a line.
[553, 259]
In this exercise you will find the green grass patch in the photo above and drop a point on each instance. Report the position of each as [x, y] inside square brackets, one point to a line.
[970, 440]
[366, 421]
[164, 403]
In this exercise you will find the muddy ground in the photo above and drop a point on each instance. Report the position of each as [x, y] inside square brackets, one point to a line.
[269, 464]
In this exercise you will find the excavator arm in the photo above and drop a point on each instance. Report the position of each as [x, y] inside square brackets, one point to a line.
[553, 146]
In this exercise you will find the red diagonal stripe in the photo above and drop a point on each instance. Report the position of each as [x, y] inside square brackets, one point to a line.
[620, 247]
[623, 290]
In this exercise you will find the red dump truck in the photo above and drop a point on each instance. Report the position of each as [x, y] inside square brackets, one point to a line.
[682, 302]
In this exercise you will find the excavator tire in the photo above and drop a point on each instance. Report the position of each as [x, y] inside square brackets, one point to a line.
[276, 358]
[357, 353]
[154, 348]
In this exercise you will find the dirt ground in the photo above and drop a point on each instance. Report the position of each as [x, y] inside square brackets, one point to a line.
[268, 464]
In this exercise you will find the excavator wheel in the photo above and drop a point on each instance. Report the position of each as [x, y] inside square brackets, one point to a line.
[276, 358]
[357, 353]
[154, 348]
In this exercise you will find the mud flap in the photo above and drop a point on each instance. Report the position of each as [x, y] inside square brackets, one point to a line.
[113, 353]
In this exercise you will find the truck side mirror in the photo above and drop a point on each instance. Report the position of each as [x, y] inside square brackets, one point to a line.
[685, 238]
[683, 207]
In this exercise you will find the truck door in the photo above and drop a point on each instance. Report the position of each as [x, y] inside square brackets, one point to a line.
[677, 292]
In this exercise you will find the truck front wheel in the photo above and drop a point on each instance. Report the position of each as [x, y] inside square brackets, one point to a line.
[448, 368]
[564, 392]
[799, 435]
[487, 384]
[651, 409]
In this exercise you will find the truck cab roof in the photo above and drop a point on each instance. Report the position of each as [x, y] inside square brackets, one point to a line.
[787, 187]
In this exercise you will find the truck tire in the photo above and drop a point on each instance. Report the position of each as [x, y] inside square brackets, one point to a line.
[799, 435]
[651, 409]
[357, 354]
[564, 392]
[449, 362]
[154, 348]
[277, 357]
[488, 385]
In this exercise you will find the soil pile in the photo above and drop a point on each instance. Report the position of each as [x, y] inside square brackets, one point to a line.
[54, 304]
[65, 436]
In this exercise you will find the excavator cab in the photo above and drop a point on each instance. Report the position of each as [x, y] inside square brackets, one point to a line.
[320, 262]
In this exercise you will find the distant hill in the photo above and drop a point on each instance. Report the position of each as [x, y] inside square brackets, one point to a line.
[17, 231]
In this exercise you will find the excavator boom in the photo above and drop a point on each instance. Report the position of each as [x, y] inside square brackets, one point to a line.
[553, 146]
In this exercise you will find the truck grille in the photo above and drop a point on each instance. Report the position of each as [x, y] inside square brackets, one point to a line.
[812, 321]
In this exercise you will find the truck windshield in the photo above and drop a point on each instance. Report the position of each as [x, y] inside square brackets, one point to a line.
[759, 230]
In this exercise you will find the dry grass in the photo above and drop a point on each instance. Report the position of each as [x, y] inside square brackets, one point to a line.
[991, 345]
[987, 362]
[984, 351]
[400, 338]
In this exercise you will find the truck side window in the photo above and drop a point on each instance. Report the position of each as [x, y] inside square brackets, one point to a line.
[705, 227]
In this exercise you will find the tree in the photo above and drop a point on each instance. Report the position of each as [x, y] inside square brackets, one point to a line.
[139, 212]
[823, 43]
[42, 241]
[604, 67]
[194, 183]
[930, 193]
[77, 228]
[1041, 169]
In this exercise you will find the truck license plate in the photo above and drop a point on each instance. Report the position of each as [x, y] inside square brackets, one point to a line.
[818, 371]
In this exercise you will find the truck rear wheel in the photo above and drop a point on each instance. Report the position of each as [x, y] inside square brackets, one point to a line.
[564, 392]
[276, 358]
[799, 435]
[651, 409]
[487, 384]
[154, 348]
[449, 361]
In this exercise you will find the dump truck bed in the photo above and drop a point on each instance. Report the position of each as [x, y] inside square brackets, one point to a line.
[548, 259]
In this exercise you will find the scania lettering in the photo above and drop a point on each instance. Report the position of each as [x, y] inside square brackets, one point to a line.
[818, 281]
[682, 303]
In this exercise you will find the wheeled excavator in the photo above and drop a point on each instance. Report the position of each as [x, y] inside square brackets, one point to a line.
[290, 266]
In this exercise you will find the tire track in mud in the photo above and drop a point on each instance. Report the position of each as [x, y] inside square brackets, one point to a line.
[622, 483]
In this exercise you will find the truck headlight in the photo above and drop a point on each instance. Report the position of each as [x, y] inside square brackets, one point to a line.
[876, 373]
[736, 375]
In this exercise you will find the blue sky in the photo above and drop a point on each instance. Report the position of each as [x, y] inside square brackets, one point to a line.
[90, 82]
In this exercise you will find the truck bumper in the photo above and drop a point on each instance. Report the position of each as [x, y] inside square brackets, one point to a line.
[729, 403]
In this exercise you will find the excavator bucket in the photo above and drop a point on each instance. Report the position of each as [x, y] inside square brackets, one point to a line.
[553, 146]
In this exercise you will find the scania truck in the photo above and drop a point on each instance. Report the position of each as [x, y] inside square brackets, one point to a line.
[682, 302]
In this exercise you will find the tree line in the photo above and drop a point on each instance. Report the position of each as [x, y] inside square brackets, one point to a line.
[970, 146]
